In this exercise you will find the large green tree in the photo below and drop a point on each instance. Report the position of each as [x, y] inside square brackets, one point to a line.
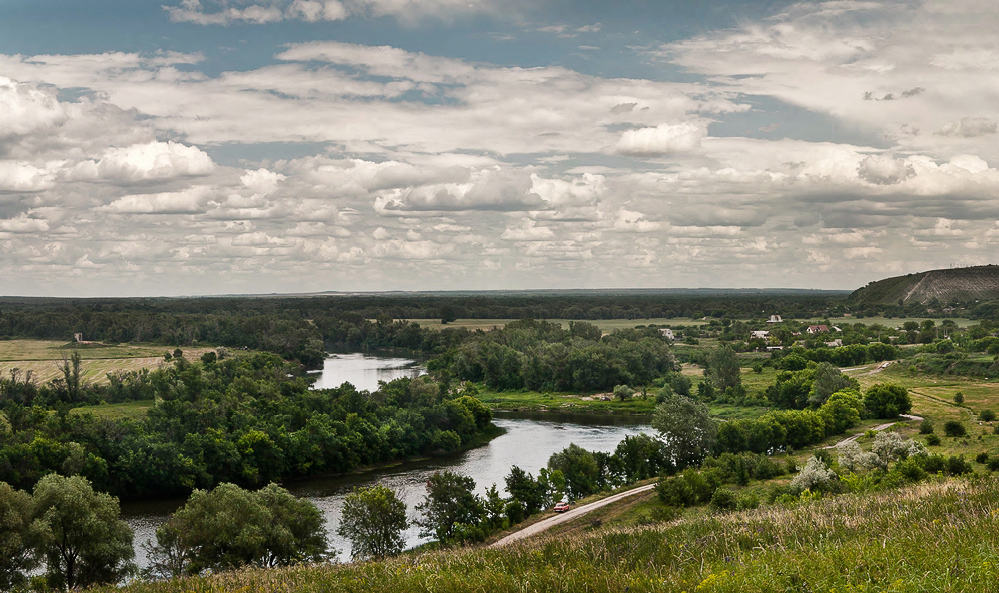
[83, 539]
[229, 527]
[373, 520]
[687, 431]
[449, 506]
[887, 400]
[579, 468]
[723, 368]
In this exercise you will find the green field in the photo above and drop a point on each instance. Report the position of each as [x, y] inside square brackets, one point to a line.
[134, 409]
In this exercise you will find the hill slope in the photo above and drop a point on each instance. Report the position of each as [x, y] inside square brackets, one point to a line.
[958, 284]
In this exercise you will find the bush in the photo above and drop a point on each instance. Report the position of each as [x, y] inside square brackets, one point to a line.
[723, 499]
[958, 398]
[955, 428]
[932, 440]
[987, 416]
[982, 457]
[993, 464]
[957, 466]
[911, 469]
[515, 511]
[926, 427]
[934, 464]
[747, 500]
[815, 476]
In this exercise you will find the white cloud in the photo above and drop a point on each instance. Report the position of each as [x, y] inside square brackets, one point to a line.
[262, 181]
[153, 161]
[662, 140]
[188, 201]
[24, 224]
[970, 127]
[25, 109]
[883, 169]
[23, 177]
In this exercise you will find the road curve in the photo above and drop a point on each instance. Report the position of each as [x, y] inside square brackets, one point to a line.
[579, 511]
[879, 427]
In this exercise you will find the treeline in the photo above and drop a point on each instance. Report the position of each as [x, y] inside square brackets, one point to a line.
[542, 356]
[248, 420]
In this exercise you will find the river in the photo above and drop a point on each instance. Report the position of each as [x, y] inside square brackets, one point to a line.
[528, 442]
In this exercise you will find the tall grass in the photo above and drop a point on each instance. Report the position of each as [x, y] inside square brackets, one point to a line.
[934, 536]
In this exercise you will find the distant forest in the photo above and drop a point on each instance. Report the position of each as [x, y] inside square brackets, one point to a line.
[304, 327]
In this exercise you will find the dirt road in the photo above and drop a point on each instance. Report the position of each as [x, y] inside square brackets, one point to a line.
[879, 427]
[579, 511]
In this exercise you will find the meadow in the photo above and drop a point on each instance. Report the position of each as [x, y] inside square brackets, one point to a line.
[939, 535]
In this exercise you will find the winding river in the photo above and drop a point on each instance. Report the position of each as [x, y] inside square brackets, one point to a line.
[528, 442]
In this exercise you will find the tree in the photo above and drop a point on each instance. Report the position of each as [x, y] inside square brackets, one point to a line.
[686, 428]
[18, 535]
[229, 527]
[83, 539]
[887, 400]
[449, 504]
[723, 368]
[828, 380]
[579, 468]
[373, 520]
[525, 489]
[623, 392]
[841, 411]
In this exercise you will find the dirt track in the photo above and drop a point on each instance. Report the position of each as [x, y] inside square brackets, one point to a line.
[579, 511]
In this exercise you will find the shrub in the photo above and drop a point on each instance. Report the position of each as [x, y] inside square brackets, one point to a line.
[926, 427]
[982, 457]
[993, 464]
[747, 500]
[957, 466]
[987, 416]
[934, 464]
[955, 428]
[723, 499]
[911, 469]
[815, 476]
[958, 398]
[515, 511]
[932, 440]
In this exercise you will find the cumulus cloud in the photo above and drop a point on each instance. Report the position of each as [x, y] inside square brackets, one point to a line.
[662, 139]
[23, 177]
[24, 224]
[24, 109]
[188, 201]
[152, 161]
[884, 169]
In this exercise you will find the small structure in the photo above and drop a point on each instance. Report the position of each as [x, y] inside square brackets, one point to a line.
[667, 333]
[775, 319]
[817, 329]
[78, 337]
[835, 343]
[763, 335]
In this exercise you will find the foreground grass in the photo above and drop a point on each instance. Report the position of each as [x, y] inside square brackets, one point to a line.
[936, 536]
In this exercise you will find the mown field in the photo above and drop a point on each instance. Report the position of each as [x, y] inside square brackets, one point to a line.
[44, 357]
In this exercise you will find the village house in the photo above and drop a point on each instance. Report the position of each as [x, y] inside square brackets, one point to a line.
[763, 335]
[667, 333]
[775, 319]
[817, 329]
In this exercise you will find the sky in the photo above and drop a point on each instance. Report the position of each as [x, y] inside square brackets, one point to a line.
[190, 147]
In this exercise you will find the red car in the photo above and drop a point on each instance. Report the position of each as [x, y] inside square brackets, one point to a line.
[561, 507]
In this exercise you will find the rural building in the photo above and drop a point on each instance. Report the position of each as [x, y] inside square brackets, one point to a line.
[817, 329]
[763, 335]
[667, 333]
[775, 319]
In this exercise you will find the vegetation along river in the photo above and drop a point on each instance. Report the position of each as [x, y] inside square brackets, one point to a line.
[529, 441]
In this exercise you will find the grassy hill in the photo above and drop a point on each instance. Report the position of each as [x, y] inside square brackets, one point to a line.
[935, 536]
[957, 284]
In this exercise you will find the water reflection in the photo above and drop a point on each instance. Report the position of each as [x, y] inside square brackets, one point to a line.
[364, 371]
